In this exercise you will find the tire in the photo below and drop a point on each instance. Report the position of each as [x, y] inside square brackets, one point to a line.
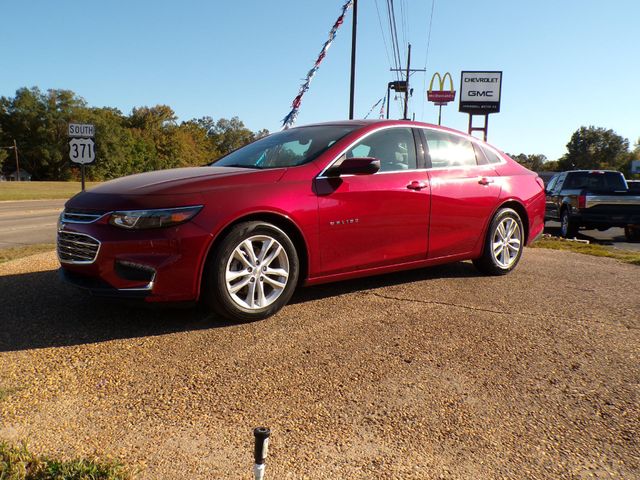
[503, 245]
[568, 227]
[252, 274]
[632, 233]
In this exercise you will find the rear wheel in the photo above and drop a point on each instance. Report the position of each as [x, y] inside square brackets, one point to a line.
[253, 272]
[503, 245]
[632, 233]
[568, 227]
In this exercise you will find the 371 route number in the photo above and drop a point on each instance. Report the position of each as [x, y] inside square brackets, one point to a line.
[82, 151]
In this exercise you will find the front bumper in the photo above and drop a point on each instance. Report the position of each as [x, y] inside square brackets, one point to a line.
[156, 265]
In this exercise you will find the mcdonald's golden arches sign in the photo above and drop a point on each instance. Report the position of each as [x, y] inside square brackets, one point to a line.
[441, 96]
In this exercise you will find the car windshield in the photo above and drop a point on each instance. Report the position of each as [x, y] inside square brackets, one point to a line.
[288, 148]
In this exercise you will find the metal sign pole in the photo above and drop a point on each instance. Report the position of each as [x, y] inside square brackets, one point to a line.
[82, 175]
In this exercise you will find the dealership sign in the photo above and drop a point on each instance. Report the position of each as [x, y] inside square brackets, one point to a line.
[480, 92]
[441, 96]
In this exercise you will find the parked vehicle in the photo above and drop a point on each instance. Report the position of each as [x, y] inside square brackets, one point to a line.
[307, 205]
[592, 199]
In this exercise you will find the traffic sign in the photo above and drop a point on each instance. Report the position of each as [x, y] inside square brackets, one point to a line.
[82, 130]
[82, 151]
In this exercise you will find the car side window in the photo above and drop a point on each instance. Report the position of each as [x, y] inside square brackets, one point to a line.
[492, 157]
[448, 150]
[394, 147]
[552, 184]
[558, 186]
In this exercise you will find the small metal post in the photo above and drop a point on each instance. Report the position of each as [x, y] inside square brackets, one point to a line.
[82, 175]
[15, 150]
[260, 451]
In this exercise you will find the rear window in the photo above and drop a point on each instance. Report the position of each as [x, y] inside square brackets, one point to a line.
[595, 181]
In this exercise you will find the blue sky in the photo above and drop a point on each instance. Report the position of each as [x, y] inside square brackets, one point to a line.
[566, 63]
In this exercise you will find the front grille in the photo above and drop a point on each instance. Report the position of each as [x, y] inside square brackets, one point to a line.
[71, 215]
[77, 248]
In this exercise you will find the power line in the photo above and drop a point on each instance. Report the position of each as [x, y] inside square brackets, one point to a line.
[426, 58]
[384, 40]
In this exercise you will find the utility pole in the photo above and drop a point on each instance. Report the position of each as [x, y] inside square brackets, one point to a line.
[406, 96]
[408, 71]
[354, 25]
[15, 149]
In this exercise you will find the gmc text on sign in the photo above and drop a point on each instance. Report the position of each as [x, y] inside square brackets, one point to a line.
[480, 92]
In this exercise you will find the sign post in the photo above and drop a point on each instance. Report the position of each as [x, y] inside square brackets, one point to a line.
[82, 149]
[480, 95]
[441, 97]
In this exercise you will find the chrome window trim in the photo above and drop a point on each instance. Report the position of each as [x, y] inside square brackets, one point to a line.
[322, 175]
[477, 141]
[77, 262]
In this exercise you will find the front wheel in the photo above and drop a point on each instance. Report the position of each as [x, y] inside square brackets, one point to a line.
[253, 272]
[503, 245]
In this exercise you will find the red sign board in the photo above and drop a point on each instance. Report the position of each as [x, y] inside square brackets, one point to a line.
[441, 97]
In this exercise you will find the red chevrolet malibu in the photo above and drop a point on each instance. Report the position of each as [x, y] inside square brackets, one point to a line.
[308, 205]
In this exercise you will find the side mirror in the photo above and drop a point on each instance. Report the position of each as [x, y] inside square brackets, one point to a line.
[355, 166]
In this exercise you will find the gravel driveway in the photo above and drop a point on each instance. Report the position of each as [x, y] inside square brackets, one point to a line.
[438, 373]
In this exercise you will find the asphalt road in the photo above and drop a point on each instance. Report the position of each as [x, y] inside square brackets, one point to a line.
[433, 374]
[29, 222]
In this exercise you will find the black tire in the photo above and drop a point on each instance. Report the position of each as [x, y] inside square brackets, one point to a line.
[632, 233]
[217, 293]
[568, 227]
[488, 263]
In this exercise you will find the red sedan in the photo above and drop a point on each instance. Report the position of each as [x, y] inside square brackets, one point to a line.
[308, 205]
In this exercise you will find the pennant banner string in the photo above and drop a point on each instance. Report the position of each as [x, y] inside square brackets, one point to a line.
[290, 119]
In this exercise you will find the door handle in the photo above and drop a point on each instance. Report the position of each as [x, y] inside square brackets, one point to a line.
[416, 185]
[485, 181]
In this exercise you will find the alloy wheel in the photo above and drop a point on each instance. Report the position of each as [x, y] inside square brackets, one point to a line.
[257, 272]
[507, 242]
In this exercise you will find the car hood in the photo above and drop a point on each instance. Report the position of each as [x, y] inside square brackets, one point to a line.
[163, 188]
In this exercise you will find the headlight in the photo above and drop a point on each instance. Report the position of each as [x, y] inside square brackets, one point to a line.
[141, 219]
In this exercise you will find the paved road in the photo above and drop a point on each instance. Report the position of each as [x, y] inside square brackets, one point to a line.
[431, 374]
[613, 237]
[29, 222]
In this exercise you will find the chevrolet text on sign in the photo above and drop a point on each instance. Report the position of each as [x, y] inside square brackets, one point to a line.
[480, 92]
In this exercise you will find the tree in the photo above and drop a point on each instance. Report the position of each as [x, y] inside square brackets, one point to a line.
[38, 122]
[535, 162]
[595, 148]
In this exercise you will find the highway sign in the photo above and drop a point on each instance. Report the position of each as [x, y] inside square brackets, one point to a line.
[81, 130]
[82, 151]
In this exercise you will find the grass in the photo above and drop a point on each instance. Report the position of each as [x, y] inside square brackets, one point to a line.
[588, 249]
[17, 463]
[12, 253]
[40, 190]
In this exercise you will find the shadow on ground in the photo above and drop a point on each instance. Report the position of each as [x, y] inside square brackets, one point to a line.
[39, 310]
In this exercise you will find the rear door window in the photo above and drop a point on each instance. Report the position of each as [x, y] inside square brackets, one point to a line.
[449, 150]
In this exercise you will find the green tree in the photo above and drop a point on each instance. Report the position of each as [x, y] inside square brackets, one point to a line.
[38, 121]
[592, 147]
[534, 162]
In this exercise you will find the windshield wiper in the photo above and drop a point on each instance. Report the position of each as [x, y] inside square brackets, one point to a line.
[236, 165]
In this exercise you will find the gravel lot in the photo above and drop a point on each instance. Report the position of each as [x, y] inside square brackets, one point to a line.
[438, 373]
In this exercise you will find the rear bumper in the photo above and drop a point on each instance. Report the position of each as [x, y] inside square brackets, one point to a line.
[607, 220]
